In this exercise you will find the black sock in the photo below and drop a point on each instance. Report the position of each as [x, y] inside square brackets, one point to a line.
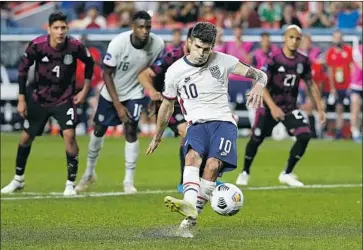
[296, 152]
[312, 125]
[182, 159]
[250, 153]
[21, 159]
[72, 166]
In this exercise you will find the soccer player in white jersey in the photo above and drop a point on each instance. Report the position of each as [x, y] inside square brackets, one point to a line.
[199, 81]
[122, 97]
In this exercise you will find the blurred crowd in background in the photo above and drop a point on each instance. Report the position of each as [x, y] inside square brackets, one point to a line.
[178, 16]
[108, 15]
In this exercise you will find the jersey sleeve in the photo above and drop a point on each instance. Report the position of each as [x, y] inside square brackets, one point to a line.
[161, 64]
[230, 62]
[26, 61]
[171, 90]
[85, 56]
[268, 68]
[111, 56]
[307, 71]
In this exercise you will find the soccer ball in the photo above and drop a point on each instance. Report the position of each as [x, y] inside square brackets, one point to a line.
[227, 199]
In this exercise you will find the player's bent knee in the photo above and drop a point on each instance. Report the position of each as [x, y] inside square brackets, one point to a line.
[304, 137]
[99, 130]
[193, 158]
[26, 139]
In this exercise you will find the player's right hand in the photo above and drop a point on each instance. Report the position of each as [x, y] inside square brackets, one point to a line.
[22, 108]
[277, 114]
[152, 146]
[124, 114]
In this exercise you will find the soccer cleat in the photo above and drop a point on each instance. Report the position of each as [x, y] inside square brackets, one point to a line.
[69, 190]
[129, 188]
[290, 180]
[182, 207]
[180, 188]
[85, 182]
[243, 179]
[13, 186]
[186, 227]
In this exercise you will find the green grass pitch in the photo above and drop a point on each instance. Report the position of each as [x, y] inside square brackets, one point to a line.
[318, 217]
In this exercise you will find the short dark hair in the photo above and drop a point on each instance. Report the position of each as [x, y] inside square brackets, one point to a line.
[141, 15]
[57, 16]
[265, 34]
[204, 31]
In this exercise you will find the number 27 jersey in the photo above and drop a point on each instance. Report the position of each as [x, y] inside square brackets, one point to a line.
[202, 90]
[284, 75]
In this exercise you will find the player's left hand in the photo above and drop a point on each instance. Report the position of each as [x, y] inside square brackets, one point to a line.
[255, 97]
[322, 117]
[152, 146]
[80, 97]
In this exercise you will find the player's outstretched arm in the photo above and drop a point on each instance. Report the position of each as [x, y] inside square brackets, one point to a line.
[165, 112]
[255, 96]
[146, 80]
[122, 111]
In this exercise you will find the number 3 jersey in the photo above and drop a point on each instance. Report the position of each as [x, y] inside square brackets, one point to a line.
[202, 90]
[55, 69]
[129, 62]
[284, 75]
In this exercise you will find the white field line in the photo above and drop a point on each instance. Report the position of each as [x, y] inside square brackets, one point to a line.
[54, 195]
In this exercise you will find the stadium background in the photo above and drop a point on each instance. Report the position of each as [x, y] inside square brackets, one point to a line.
[96, 23]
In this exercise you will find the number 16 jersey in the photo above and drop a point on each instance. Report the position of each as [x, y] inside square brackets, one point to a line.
[129, 62]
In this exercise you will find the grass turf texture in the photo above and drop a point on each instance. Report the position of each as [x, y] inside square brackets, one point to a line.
[270, 219]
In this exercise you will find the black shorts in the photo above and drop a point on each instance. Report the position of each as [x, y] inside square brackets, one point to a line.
[65, 114]
[294, 122]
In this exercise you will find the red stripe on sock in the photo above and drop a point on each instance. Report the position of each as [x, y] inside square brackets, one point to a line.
[192, 183]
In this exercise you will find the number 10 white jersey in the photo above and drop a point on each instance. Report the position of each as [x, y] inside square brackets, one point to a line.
[202, 90]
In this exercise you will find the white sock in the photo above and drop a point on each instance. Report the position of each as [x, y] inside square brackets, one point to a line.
[205, 191]
[131, 154]
[19, 178]
[70, 183]
[94, 146]
[191, 184]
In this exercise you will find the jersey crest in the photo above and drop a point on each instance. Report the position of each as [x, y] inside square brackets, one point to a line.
[216, 73]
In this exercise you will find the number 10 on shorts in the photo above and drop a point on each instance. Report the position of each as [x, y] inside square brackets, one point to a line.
[225, 146]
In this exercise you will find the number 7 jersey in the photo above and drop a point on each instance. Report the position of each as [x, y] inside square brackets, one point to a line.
[284, 75]
[129, 62]
[202, 90]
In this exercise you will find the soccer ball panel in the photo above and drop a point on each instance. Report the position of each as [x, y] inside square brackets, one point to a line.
[227, 199]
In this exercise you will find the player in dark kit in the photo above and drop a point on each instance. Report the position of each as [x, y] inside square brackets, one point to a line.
[51, 94]
[284, 70]
[153, 79]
